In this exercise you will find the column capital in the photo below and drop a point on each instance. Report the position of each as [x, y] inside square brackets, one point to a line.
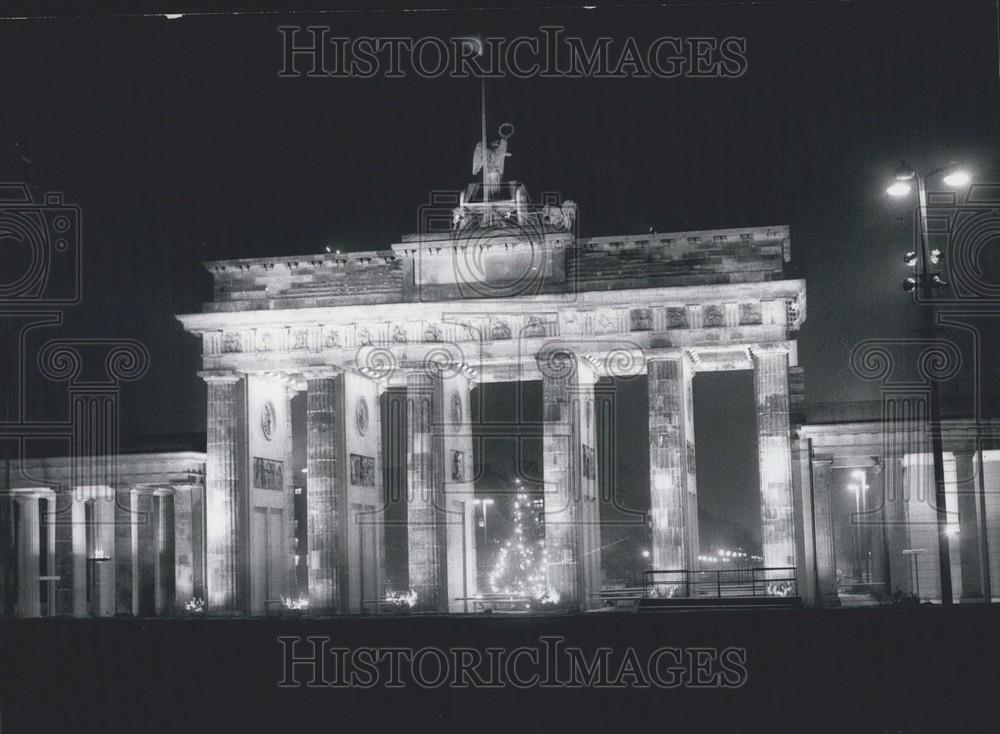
[762, 350]
[185, 487]
[223, 377]
[31, 493]
[321, 372]
[668, 355]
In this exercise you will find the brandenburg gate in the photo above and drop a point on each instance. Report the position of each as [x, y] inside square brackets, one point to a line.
[488, 291]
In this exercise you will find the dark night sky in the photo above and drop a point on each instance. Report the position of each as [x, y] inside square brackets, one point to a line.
[181, 144]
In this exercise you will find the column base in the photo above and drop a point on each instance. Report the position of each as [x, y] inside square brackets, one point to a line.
[975, 598]
[829, 600]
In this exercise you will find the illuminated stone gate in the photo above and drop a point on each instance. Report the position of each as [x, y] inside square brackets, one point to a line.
[481, 295]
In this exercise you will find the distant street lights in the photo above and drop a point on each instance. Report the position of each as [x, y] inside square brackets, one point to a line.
[925, 283]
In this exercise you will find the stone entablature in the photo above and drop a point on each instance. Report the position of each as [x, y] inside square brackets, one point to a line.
[710, 318]
[877, 437]
[174, 468]
[502, 261]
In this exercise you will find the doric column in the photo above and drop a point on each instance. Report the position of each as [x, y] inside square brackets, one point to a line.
[288, 482]
[671, 479]
[104, 546]
[48, 569]
[166, 574]
[326, 493]
[588, 516]
[187, 547]
[124, 552]
[570, 473]
[223, 475]
[70, 525]
[896, 529]
[28, 598]
[970, 522]
[8, 554]
[876, 522]
[826, 558]
[805, 539]
[773, 442]
[146, 551]
[426, 528]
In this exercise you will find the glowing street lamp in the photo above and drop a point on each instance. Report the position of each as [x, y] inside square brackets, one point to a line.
[958, 178]
[927, 282]
[899, 188]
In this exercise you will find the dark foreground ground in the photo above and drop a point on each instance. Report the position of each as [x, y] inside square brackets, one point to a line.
[850, 670]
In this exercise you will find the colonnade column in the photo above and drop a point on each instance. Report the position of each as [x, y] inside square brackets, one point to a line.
[673, 498]
[28, 556]
[572, 530]
[425, 506]
[104, 547]
[896, 528]
[326, 491]
[826, 557]
[188, 506]
[805, 538]
[8, 554]
[165, 534]
[774, 447]
[70, 525]
[224, 475]
[876, 521]
[970, 522]
[145, 573]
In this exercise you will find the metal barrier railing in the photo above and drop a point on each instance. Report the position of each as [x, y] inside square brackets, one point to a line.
[774, 581]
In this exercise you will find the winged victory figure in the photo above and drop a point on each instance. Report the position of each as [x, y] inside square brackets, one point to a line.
[493, 161]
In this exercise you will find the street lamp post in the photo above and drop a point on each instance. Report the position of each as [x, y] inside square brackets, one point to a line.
[925, 282]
